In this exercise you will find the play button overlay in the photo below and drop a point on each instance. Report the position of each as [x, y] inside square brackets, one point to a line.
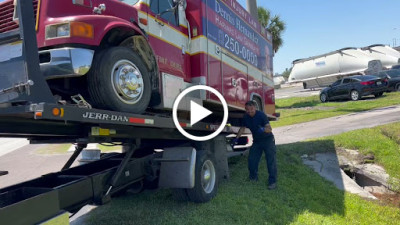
[198, 112]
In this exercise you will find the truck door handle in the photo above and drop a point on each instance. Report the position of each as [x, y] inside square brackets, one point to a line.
[158, 21]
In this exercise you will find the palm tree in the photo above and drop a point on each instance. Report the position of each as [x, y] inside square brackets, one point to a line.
[274, 25]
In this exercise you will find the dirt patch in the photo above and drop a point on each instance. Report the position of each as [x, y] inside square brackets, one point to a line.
[349, 156]
[389, 199]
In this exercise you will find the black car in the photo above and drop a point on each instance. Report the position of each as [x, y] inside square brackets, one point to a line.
[354, 88]
[393, 77]
[396, 67]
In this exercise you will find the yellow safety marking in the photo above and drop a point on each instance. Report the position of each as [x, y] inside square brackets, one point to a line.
[37, 15]
[16, 43]
[104, 132]
[97, 131]
[62, 112]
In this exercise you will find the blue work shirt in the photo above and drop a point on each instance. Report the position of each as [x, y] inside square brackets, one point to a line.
[255, 124]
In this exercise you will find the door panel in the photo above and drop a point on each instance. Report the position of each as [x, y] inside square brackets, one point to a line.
[342, 90]
[334, 92]
[255, 87]
[214, 76]
[167, 40]
[235, 83]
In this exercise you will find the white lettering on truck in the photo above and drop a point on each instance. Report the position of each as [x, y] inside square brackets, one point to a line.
[105, 117]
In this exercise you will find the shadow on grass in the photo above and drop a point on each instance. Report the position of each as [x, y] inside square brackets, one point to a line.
[300, 190]
[364, 98]
[310, 103]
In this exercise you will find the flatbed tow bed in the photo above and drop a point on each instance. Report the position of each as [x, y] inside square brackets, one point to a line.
[46, 120]
[94, 183]
[28, 109]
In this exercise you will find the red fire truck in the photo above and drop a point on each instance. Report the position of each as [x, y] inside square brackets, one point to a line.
[128, 55]
[123, 55]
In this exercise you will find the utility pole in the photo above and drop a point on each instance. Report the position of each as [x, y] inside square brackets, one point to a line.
[252, 8]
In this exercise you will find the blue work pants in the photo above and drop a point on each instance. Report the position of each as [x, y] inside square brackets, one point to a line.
[266, 145]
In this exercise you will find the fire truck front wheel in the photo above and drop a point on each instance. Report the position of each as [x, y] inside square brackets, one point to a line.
[120, 81]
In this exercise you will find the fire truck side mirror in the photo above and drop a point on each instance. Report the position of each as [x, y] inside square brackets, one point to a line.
[181, 4]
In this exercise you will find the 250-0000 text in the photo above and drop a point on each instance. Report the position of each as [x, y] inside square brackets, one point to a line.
[240, 50]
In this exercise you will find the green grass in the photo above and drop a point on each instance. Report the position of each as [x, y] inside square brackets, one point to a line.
[109, 148]
[52, 149]
[302, 197]
[304, 109]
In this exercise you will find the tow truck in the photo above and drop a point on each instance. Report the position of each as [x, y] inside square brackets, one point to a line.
[28, 109]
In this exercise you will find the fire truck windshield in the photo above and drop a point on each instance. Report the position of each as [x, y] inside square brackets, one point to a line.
[130, 2]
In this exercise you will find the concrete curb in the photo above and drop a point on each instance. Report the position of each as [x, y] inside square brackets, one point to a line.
[8, 145]
[327, 166]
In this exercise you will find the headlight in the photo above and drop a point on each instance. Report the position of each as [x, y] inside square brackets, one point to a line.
[63, 30]
[71, 29]
[58, 30]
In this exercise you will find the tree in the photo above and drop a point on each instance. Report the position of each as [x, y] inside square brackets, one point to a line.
[274, 25]
[286, 73]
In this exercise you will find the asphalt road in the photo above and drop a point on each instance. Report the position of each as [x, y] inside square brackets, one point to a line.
[296, 90]
[336, 125]
[25, 164]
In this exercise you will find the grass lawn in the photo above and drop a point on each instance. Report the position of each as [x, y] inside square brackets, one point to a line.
[104, 148]
[51, 149]
[304, 109]
[302, 197]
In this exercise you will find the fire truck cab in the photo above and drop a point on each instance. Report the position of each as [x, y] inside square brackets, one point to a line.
[136, 55]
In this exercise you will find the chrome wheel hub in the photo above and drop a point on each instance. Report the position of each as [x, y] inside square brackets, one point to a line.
[208, 176]
[323, 97]
[127, 82]
[354, 95]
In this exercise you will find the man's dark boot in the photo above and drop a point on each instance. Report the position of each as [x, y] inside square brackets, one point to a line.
[272, 186]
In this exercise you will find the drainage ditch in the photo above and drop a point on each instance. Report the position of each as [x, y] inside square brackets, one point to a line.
[363, 176]
[361, 179]
[368, 181]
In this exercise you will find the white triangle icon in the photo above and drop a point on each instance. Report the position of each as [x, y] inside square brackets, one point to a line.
[197, 113]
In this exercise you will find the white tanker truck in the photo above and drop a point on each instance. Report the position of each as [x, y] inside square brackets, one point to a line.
[323, 70]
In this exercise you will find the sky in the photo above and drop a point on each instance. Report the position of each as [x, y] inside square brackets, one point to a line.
[317, 27]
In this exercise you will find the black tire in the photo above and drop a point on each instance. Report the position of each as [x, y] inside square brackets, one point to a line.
[378, 94]
[397, 87]
[355, 95]
[206, 179]
[108, 85]
[323, 97]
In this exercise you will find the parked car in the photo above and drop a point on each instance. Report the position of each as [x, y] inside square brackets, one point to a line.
[396, 67]
[354, 87]
[393, 77]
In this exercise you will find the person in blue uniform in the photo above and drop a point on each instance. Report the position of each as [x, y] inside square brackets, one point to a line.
[263, 141]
